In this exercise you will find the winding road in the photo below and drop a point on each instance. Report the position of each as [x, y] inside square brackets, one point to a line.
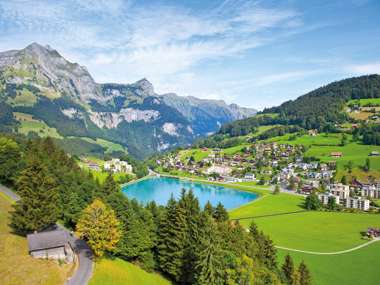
[85, 256]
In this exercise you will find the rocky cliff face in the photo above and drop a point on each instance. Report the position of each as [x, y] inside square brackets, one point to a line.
[37, 80]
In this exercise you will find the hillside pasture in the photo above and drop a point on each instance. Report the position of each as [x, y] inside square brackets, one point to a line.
[308, 140]
[109, 146]
[117, 271]
[16, 265]
[197, 153]
[317, 231]
[24, 98]
[268, 204]
[353, 268]
[28, 124]
[365, 102]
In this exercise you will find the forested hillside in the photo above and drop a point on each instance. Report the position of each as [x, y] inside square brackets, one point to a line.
[320, 109]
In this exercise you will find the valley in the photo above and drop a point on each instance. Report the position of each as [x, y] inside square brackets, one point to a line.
[289, 180]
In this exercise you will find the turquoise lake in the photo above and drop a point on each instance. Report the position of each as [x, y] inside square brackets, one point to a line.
[159, 189]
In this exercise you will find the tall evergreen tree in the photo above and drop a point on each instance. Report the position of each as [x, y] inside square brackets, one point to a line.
[304, 274]
[171, 240]
[209, 266]
[192, 212]
[288, 269]
[220, 214]
[266, 251]
[37, 208]
[209, 209]
[110, 186]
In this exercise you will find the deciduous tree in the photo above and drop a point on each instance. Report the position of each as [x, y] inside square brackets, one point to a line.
[99, 226]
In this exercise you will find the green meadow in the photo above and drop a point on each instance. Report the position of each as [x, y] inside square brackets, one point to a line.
[29, 124]
[353, 268]
[365, 102]
[319, 232]
[117, 271]
[268, 204]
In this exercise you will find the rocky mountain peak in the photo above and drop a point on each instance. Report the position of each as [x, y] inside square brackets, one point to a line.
[145, 87]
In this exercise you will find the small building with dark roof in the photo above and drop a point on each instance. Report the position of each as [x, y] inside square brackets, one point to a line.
[53, 244]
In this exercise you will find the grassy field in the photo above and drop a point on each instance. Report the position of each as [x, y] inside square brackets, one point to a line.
[353, 268]
[268, 204]
[23, 98]
[108, 145]
[16, 265]
[117, 271]
[320, 139]
[29, 124]
[365, 102]
[318, 231]
[197, 153]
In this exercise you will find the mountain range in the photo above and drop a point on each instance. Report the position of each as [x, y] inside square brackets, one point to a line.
[38, 82]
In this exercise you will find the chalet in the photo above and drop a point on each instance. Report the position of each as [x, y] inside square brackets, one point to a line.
[54, 244]
[336, 154]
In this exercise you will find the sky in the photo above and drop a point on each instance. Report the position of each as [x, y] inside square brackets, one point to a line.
[254, 53]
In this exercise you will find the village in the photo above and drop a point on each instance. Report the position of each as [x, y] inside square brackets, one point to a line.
[277, 164]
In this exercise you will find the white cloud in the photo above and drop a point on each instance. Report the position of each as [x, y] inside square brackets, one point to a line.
[367, 68]
[121, 41]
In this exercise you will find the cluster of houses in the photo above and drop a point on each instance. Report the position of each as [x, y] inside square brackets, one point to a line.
[281, 164]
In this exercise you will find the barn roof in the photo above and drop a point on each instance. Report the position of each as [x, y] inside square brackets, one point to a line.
[45, 240]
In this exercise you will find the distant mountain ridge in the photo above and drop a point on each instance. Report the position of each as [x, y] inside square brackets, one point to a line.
[37, 80]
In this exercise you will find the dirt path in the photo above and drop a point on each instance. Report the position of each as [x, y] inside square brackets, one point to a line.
[330, 253]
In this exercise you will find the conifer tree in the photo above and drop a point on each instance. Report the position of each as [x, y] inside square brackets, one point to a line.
[110, 186]
[37, 208]
[267, 252]
[220, 213]
[304, 274]
[288, 269]
[209, 209]
[209, 266]
[99, 226]
[171, 240]
[192, 212]
[10, 156]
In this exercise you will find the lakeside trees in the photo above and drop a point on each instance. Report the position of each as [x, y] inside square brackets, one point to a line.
[188, 244]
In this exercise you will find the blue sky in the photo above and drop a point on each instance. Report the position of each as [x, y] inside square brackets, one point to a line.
[254, 53]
